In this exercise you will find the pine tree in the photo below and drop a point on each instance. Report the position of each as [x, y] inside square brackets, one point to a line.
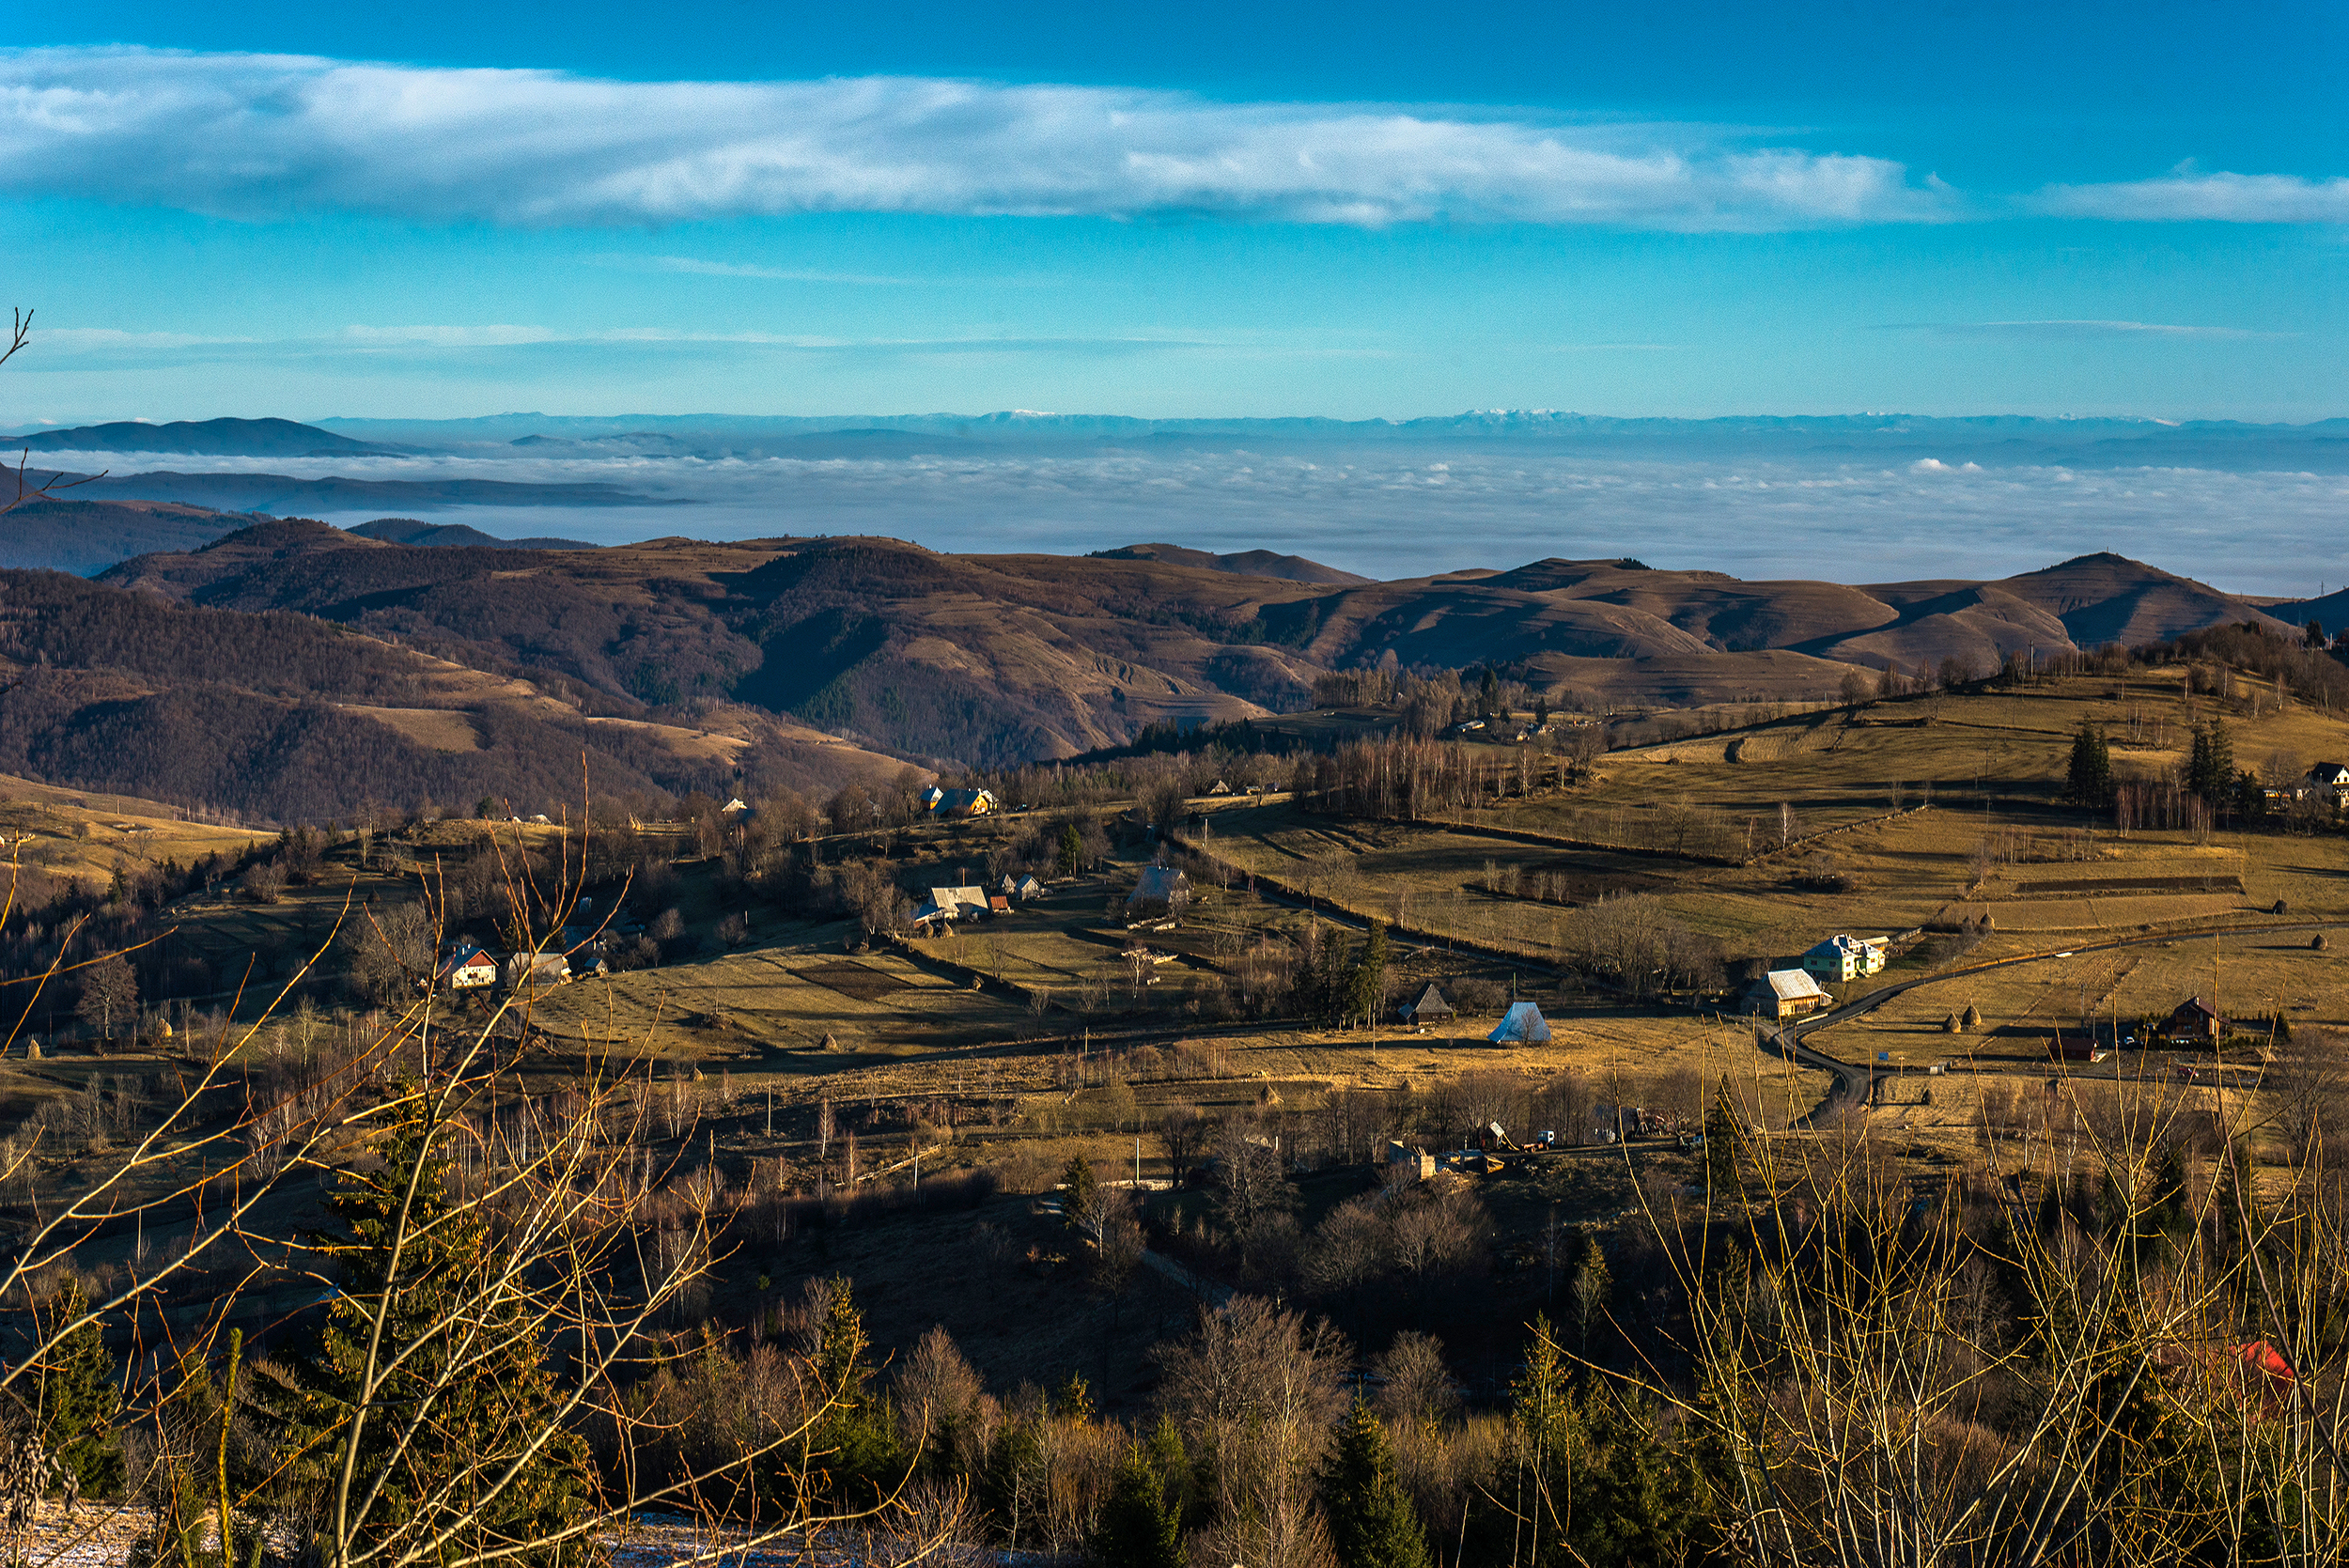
[2251, 800]
[2089, 779]
[853, 1445]
[1136, 1528]
[1072, 850]
[1372, 1522]
[1082, 1190]
[1328, 977]
[1368, 983]
[2210, 765]
[76, 1392]
[1721, 1144]
[1542, 1415]
[1593, 1285]
[1637, 1498]
[462, 1392]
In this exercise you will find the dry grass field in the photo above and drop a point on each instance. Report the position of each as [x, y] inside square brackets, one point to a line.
[74, 835]
[1035, 1036]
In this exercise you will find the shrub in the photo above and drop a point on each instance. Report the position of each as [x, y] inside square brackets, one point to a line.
[264, 883]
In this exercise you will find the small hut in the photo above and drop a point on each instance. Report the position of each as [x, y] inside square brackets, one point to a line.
[1430, 1008]
[1523, 1025]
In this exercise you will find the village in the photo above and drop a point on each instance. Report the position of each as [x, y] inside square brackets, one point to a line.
[1053, 1079]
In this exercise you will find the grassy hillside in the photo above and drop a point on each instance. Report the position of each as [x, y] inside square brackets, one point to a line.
[281, 717]
[992, 661]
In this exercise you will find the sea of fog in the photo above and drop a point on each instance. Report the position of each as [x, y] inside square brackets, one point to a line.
[1385, 512]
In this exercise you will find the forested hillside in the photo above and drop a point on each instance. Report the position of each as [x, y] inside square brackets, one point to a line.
[994, 660]
[286, 717]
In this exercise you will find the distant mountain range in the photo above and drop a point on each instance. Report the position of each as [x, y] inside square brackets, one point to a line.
[69, 533]
[410, 531]
[282, 494]
[210, 437]
[1995, 439]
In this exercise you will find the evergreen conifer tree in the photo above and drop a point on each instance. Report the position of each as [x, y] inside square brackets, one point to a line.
[1073, 1400]
[453, 1413]
[1593, 1285]
[1542, 1418]
[1372, 1522]
[1721, 1144]
[77, 1392]
[2210, 764]
[2089, 778]
[1136, 1528]
[1327, 982]
[1637, 1498]
[2250, 799]
[1081, 1188]
[1368, 982]
[852, 1447]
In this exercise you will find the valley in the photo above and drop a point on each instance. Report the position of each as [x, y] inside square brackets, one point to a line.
[1057, 956]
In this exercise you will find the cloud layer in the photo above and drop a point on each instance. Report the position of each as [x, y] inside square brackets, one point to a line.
[1392, 514]
[252, 136]
[2186, 196]
[2063, 329]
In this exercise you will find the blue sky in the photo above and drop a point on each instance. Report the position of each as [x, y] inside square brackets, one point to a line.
[441, 211]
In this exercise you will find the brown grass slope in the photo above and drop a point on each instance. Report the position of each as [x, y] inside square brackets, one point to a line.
[997, 659]
[290, 718]
[2106, 598]
[1247, 563]
[986, 657]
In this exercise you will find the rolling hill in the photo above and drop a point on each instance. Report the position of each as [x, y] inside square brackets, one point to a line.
[287, 717]
[1245, 562]
[207, 438]
[1001, 658]
[69, 532]
[411, 530]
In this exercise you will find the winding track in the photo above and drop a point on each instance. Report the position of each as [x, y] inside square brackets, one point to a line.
[1788, 1041]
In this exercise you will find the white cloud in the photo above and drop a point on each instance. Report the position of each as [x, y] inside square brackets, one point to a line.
[489, 335]
[2074, 329]
[80, 347]
[693, 266]
[255, 136]
[2186, 196]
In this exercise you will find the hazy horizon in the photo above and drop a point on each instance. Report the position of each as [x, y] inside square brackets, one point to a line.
[1368, 507]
